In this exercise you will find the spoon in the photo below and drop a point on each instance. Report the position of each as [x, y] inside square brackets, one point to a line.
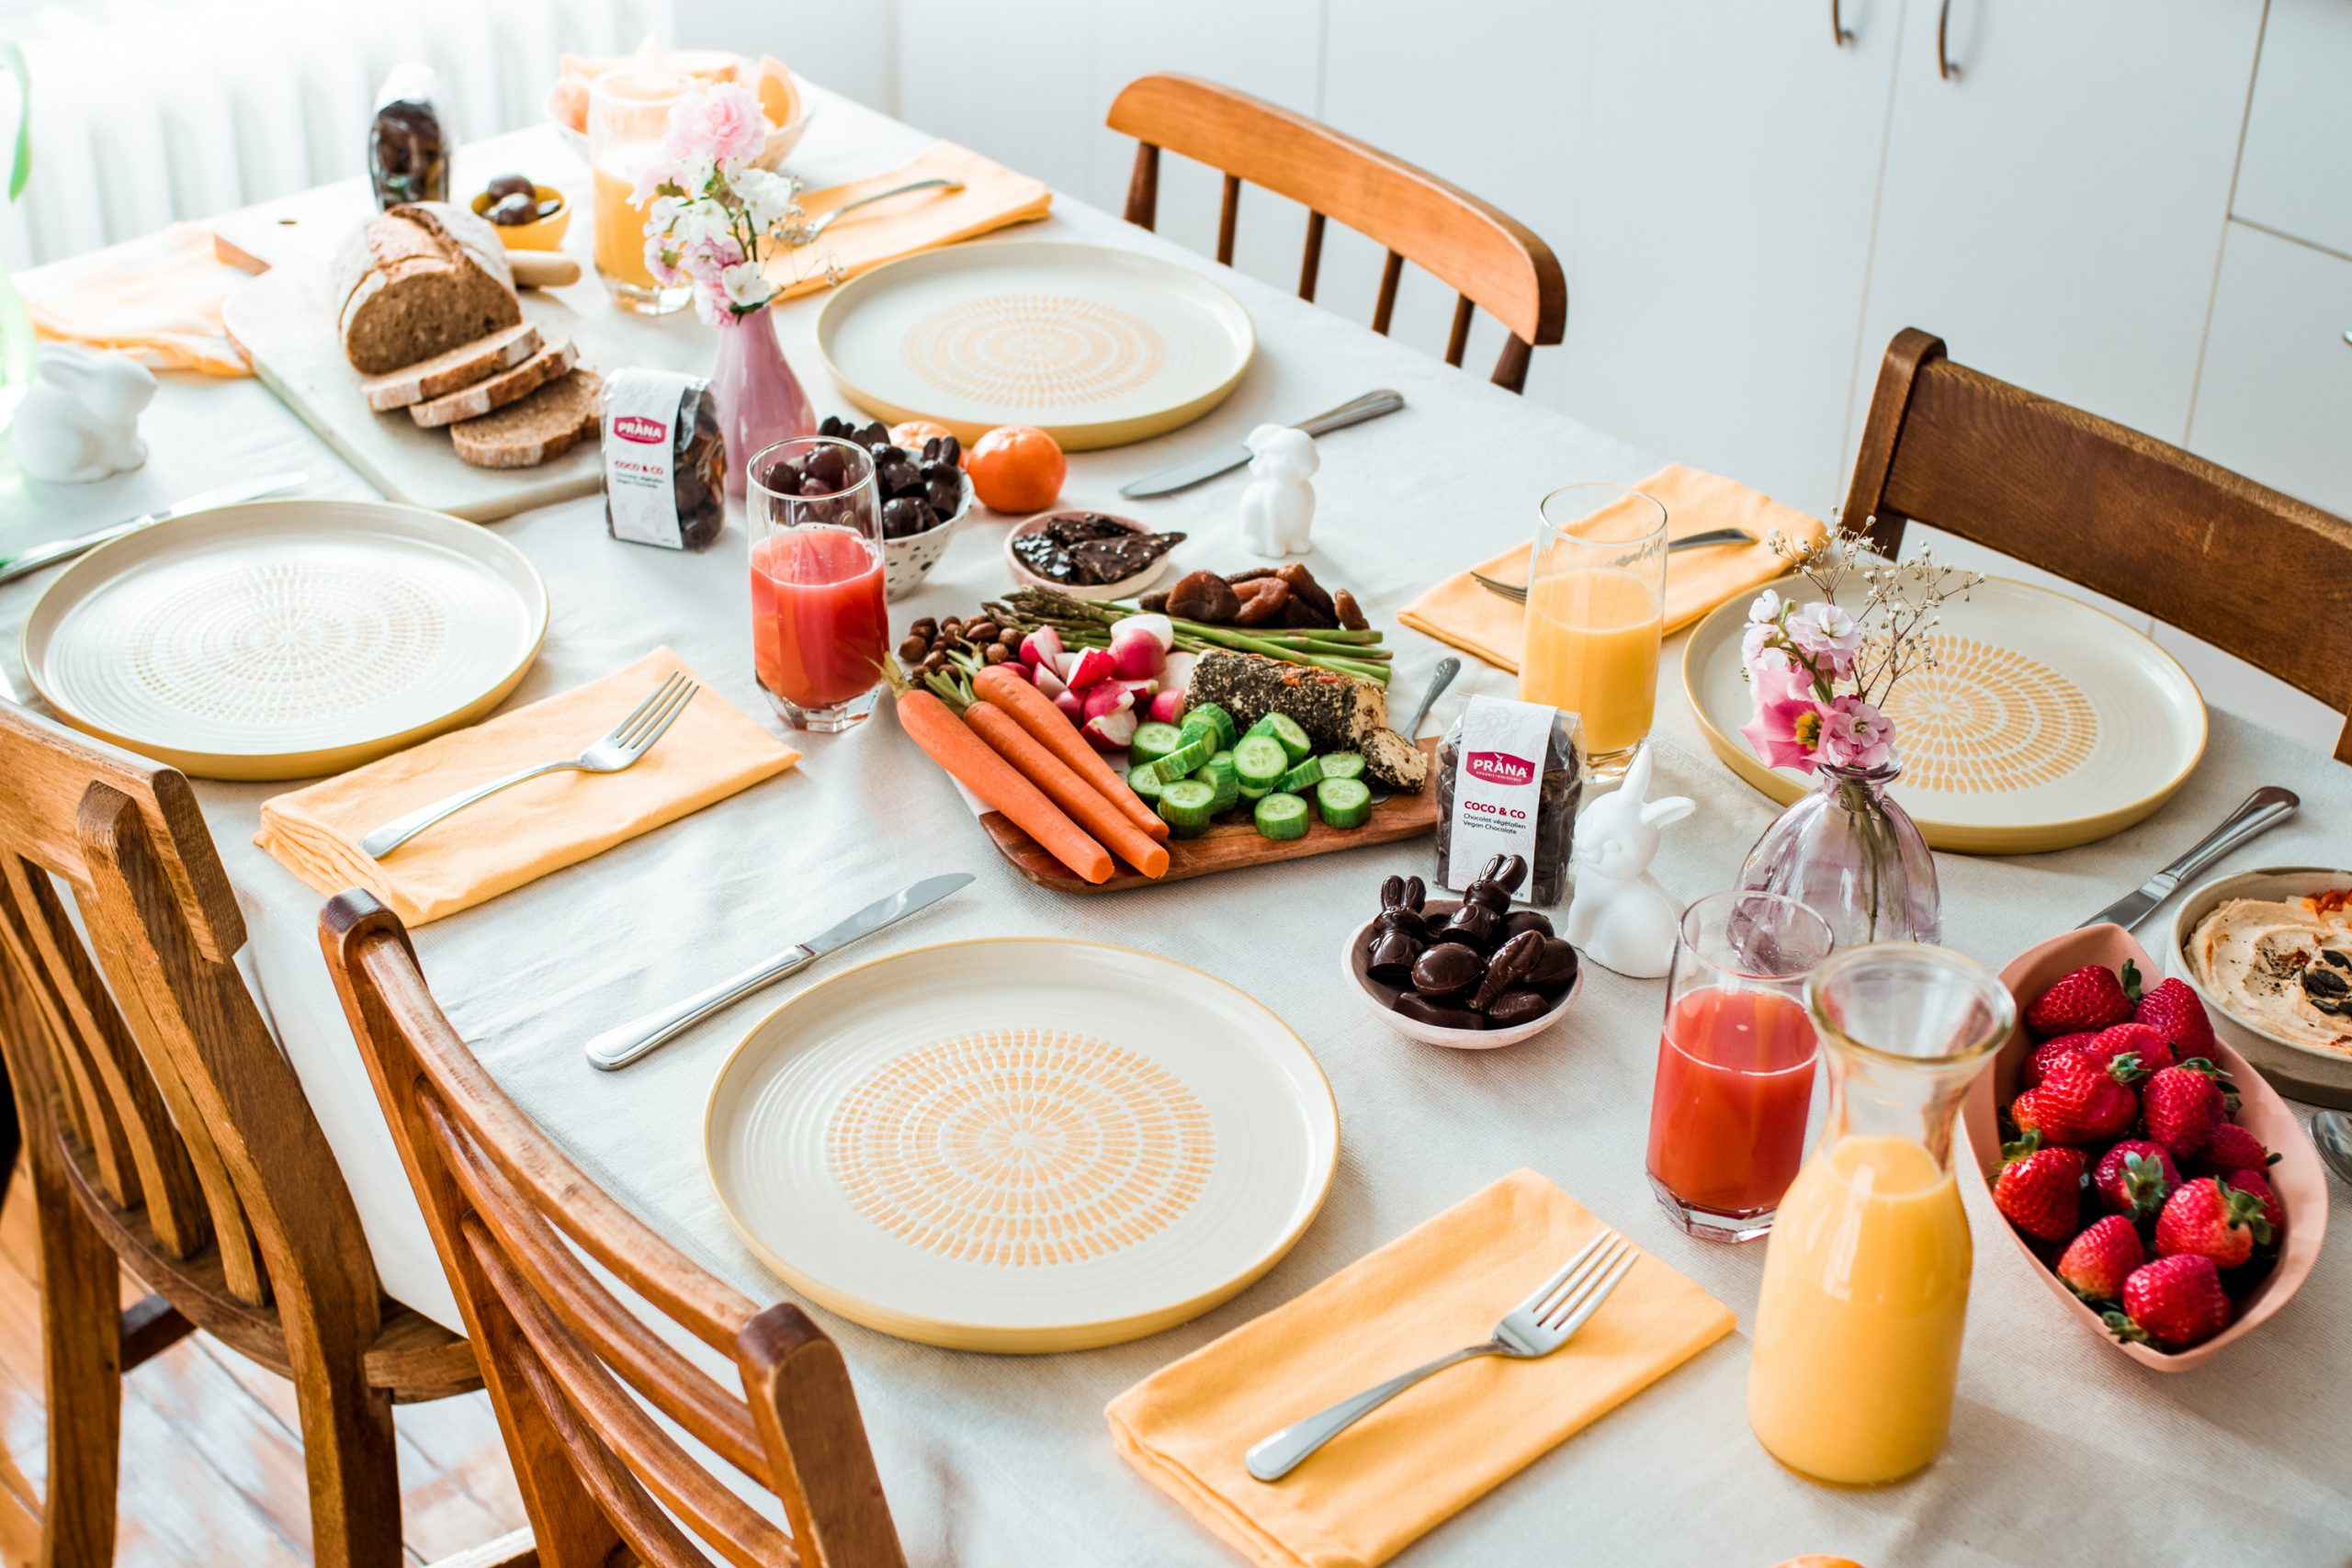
[1447, 668]
[2332, 1131]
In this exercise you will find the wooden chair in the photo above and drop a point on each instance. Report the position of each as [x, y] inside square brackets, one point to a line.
[507, 1211]
[164, 1133]
[2255, 574]
[1492, 261]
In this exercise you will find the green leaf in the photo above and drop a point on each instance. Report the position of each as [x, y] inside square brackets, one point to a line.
[20, 165]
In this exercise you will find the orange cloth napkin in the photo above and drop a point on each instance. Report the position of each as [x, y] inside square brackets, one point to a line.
[1435, 1449]
[1481, 622]
[712, 751]
[992, 197]
[157, 297]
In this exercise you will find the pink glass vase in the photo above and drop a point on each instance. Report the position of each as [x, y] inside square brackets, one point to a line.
[760, 400]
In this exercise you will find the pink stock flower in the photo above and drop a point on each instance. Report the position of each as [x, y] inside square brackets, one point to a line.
[665, 272]
[1856, 734]
[722, 122]
[1785, 730]
[1828, 635]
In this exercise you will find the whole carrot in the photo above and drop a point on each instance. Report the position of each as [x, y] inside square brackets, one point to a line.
[1031, 710]
[1085, 805]
[934, 726]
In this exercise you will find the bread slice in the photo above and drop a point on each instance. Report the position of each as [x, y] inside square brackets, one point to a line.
[509, 386]
[547, 424]
[418, 280]
[461, 367]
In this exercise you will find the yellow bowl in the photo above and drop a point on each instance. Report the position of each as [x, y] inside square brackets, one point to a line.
[540, 233]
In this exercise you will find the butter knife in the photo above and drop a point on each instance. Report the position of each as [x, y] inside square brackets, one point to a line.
[56, 550]
[2263, 810]
[1225, 459]
[624, 1044]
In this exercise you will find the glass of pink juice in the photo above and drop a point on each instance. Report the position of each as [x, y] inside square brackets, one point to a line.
[820, 628]
[1734, 1063]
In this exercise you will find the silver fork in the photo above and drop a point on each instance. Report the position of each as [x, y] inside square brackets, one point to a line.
[619, 747]
[809, 236]
[1517, 593]
[1536, 1326]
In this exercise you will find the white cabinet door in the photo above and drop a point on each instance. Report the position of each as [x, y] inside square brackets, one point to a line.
[2053, 211]
[2295, 175]
[2275, 400]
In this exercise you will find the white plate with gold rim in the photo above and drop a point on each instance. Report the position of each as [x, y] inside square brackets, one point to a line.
[1097, 347]
[2046, 723]
[285, 639]
[1021, 1143]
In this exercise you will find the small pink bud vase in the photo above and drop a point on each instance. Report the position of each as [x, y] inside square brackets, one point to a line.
[760, 400]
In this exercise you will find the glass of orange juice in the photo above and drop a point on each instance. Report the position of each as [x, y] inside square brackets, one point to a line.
[1596, 604]
[1866, 1276]
[628, 116]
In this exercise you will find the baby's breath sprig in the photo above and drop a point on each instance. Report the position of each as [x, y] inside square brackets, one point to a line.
[1901, 600]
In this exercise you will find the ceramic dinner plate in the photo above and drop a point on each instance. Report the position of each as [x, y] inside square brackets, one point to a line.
[1021, 1143]
[1096, 346]
[286, 639]
[2046, 722]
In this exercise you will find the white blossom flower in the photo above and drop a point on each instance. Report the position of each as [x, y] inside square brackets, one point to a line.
[769, 199]
[746, 288]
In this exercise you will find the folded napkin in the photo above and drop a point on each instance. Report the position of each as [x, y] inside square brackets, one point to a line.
[1481, 622]
[158, 297]
[992, 197]
[1435, 1449]
[520, 834]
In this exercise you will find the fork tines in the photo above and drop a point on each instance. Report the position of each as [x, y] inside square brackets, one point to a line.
[646, 722]
[1563, 1302]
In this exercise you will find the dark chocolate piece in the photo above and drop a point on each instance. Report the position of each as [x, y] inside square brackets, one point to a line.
[1447, 970]
[1517, 1006]
[1415, 1006]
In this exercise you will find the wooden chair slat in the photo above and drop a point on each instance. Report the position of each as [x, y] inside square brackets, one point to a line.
[1143, 187]
[1312, 261]
[1458, 338]
[1384, 309]
[73, 1076]
[1229, 213]
[2120, 512]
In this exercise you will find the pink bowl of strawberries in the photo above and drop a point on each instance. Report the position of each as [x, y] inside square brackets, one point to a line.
[2164, 1191]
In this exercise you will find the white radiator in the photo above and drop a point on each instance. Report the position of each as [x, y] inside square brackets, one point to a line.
[145, 111]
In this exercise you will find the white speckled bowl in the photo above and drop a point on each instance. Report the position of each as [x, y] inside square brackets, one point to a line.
[1376, 997]
[2300, 1071]
[906, 562]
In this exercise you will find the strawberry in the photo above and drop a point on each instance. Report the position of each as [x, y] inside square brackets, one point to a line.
[2175, 1302]
[2134, 1177]
[2037, 1066]
[2257, 1185]
[2137, 1040]
[2089, 999]
[2085, 1102]
[2210, 1219]
[2232, 1147]
[2097, 1262]
[2040, 1190]
[2173, 1010]
[2026, 1111]
[2182, 1105]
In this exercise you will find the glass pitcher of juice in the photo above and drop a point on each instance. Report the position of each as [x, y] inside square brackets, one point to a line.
[629, 119]
[1866, 1276]
[1596, 604]
[819, 623]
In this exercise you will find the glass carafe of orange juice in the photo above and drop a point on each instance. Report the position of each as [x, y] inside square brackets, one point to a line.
[629, 119]
[1866, 1275]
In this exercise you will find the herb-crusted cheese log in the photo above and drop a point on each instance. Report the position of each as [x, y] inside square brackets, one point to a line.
[1339, 712]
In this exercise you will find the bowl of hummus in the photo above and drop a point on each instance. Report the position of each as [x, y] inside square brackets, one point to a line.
[2270, 951]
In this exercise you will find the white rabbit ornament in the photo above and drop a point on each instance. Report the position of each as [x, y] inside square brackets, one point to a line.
[1621, 917]
[79, 420]
[1278, 508]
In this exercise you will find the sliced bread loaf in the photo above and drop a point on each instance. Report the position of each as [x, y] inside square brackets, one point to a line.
[509, 386]
[461, 367]
[546, 425]
[418, 280]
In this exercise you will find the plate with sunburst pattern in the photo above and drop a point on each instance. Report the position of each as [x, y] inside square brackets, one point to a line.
[2045, 722]
[1020, 1144]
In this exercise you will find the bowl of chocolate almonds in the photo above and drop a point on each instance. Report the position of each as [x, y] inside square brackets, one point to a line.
[1470, 974]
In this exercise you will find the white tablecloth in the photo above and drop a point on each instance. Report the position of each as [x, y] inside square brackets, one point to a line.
[2061, 1451]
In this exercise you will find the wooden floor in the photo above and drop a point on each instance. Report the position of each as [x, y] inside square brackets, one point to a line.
[212, 1453]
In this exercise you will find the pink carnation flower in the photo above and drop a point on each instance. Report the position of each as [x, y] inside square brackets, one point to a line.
[722, 122]
[1856, 734]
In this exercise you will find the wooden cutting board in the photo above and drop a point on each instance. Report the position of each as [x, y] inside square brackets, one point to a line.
[1233, 844]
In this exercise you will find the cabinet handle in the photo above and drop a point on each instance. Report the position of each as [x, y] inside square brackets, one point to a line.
[1838, 26]
[1946, 67]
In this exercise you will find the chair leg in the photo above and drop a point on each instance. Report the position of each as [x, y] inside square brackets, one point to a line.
[348, 1449]
[82, 1351]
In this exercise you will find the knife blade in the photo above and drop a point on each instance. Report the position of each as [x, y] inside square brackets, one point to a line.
[2260, 812]
[1225, 459]
[56, 550]
[624, 1044]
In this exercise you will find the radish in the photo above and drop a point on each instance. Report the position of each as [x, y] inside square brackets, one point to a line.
[1043, 646]
[1093, 665]
[1017, 667]
[1073, 706]
[1142, 690]
[1177, 674]
[1169, 705]
[1136, 655]
[1108, 697]
[1111, 731]
[1048, 681]
[1159, 629]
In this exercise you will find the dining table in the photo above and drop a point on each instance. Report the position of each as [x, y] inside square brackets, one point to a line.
[2061, 1450]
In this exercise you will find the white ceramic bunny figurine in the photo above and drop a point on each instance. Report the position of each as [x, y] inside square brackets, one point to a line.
[1621, 917]
[79, 420]
[1278, 509]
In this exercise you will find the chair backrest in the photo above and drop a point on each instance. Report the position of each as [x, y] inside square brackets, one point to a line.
[1492, 261]
[142, 1053]
[557, 1346]
[2259, 574]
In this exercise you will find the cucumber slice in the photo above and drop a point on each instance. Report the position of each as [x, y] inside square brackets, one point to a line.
[1145, 781]
[1343, 803]
[1343, 764]
[1256, 792]
[1218, 774]
[1301, 778]
[1211, 714]
[1284, 728]
[1281, 817]
[1154, 741]
[1186, 759]
[1261, 761]
[1186, 804]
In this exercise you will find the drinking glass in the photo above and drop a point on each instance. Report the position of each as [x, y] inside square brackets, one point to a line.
[628, 116]
[1865, 1293]
[820, 628]
[1734, 1063]
[1595, 606]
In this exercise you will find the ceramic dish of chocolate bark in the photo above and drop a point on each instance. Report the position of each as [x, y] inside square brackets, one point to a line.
[1094, 556]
